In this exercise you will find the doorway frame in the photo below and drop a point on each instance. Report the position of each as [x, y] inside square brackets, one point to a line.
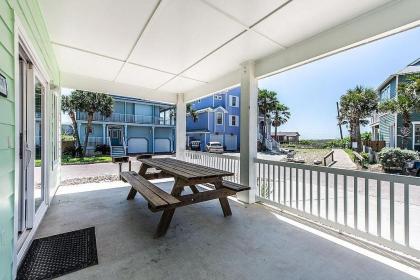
[21, 38]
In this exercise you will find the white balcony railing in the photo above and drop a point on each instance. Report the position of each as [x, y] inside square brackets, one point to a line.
[224, 162]
[381, 208]
[128, 118]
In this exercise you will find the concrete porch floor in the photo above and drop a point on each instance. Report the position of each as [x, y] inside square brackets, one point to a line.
[200, 243]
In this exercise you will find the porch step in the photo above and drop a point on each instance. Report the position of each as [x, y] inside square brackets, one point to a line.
[117, 151]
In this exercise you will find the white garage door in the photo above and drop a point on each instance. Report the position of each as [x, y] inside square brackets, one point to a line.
[162, 145]
[137, 145]
[231, 142]
[216, 138]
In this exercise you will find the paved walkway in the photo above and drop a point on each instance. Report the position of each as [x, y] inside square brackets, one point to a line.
[343, 160]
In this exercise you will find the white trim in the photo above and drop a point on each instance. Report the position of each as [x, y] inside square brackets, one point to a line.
[215, 118]
[414, 123]
[21, 38]
[231, 97]
[236, 120]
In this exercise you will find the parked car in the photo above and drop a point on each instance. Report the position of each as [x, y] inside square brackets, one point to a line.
[214, 147]
[195, 145]
[412, 168]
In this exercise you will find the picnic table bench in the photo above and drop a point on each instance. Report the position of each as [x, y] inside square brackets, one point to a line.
[186, 175]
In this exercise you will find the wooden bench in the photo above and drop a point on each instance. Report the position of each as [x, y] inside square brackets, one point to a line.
[157, 199]
[234, 186]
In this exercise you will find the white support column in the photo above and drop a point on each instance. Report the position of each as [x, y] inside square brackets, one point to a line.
[181, 126]
[248, 126]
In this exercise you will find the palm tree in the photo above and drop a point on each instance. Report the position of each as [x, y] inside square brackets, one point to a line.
[280, 115]
[193, 113]
[406, 103]
[267, 102]
[356, 105]
[69, 106]
[190, 111]
[92, 102]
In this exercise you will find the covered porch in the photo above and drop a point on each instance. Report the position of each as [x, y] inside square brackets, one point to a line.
[180, 51]
[254, 243]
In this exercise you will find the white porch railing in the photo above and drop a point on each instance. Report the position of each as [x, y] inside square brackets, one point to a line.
[223, 162]
[381, 208]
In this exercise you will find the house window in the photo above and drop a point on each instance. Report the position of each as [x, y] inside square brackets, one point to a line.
[417, 134]
[219, 118]
[234, 101]
[233, 120]
[386, 93]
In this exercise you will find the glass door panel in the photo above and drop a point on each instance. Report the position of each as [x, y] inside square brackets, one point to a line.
[39, 192]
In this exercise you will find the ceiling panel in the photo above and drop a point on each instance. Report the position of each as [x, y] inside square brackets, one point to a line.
[82, 63]
[302, 19]
[247, 12]
[106, 27]
[248, 46]
[180, 84]
[141, 76]
[182, 32]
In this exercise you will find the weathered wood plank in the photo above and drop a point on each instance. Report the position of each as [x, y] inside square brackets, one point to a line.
[151, 197]
[234, 186]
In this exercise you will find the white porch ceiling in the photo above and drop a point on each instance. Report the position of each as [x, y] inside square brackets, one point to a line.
[169, 46]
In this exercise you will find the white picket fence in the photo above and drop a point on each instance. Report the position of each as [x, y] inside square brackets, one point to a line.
[381, 208]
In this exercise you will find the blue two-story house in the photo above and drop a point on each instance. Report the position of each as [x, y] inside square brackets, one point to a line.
[136, 126]
[218, 120]
[387, 126]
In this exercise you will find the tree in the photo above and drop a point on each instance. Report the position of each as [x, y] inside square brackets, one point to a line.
[356, 105]
[406, 102]
[190, 111]
[69, 105]
[92, 102]
[267, 102]
[193, 113]
[280, 115]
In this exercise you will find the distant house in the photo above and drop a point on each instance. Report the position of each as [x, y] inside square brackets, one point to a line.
[218, 120]
[387, 126]
[136, 126]
[286, 137]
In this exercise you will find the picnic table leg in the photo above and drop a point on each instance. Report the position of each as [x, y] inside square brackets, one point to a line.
[224, 203]
[166, 218]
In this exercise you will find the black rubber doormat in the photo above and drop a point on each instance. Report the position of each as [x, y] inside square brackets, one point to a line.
[56, 255]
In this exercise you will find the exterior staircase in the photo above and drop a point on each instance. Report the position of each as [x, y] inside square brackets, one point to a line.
[271, 144]
[117, 151]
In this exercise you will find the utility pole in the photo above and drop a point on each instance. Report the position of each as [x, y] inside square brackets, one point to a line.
[339, 123]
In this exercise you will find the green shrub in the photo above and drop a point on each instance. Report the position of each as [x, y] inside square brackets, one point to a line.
[338, 143]
[395, 158]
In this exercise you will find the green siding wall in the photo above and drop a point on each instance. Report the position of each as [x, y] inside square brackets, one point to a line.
[30, 16]
[385, 123]
[7, 132]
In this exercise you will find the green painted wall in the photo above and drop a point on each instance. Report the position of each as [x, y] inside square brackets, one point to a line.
[385, 123]
[30, 16]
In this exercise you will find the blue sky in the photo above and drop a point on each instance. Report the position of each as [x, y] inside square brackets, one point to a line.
[311, 91]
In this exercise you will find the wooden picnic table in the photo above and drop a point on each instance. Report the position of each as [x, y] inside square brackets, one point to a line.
[186, 175]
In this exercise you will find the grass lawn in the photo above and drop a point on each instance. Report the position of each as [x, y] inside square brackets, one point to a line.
[73, 161]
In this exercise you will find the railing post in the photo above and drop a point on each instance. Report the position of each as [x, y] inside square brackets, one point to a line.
[248, 124]
[181, 126]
